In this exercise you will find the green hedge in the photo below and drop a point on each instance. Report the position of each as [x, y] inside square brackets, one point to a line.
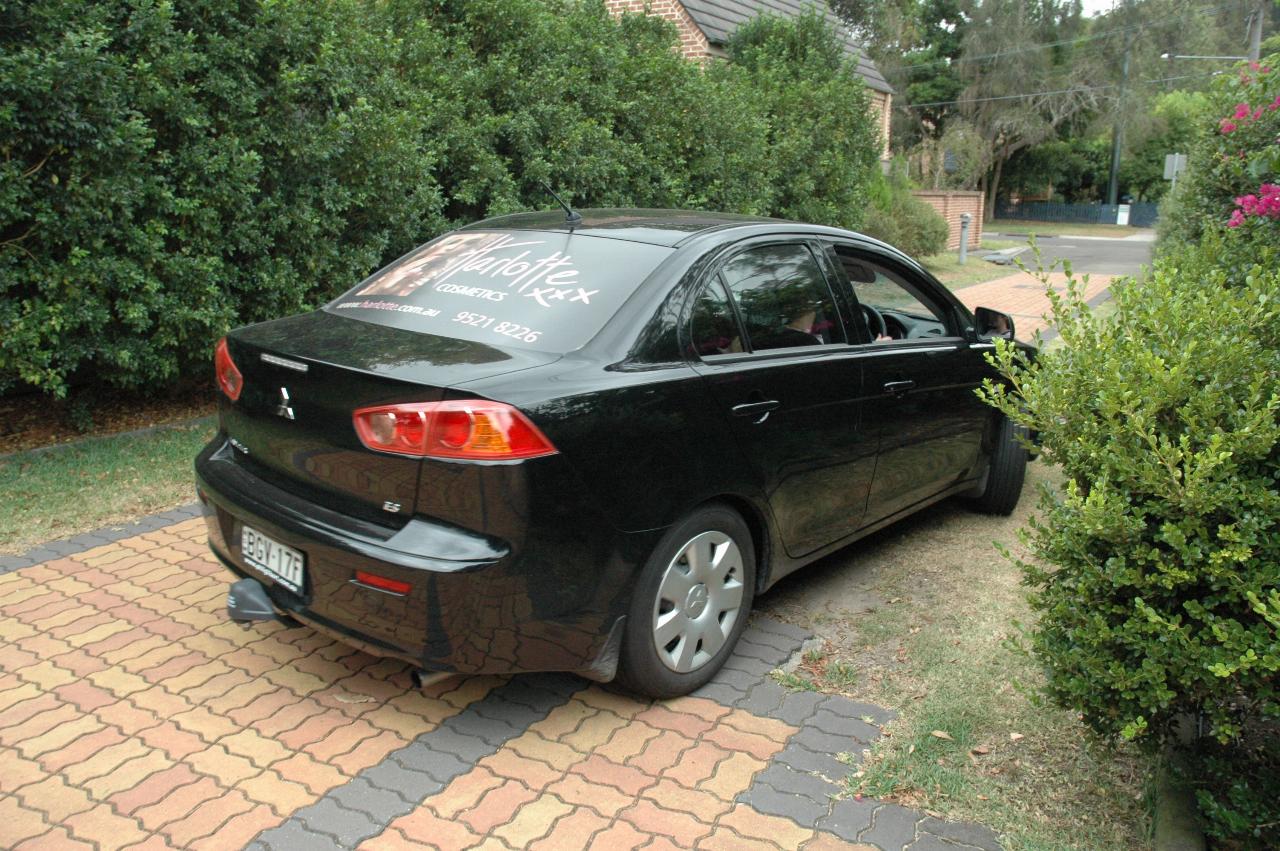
[171, 170]
[1157, 579]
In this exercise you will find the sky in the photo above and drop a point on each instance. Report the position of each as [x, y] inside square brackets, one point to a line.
[1093, 7]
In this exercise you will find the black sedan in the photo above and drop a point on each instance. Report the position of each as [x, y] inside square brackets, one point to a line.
[586, 443]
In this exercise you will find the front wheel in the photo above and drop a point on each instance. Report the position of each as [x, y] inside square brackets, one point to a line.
[1008, 468]
[690, 604]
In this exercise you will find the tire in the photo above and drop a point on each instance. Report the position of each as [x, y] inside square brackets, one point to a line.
[1003, 486]
[669, 603]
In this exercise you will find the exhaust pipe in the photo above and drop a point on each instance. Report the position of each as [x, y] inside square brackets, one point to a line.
[247, 601]
[423, 678]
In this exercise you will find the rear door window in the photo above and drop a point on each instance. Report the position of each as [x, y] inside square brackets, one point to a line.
[783, 298]
[544, 290]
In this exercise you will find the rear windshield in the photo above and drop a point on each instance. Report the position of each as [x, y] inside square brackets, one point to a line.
[543, 290]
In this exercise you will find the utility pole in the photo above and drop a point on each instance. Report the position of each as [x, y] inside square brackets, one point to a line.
[1255, 29]
[1117, 135]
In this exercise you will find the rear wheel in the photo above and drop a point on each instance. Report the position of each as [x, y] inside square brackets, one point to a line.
[690, 604]
[1003, 486]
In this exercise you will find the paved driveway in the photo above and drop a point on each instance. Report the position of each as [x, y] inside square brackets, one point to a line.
[134, 714]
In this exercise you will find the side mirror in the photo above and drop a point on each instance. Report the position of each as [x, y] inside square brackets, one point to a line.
[993, 324]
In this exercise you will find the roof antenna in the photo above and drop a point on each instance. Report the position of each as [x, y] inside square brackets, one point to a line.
[570, 217]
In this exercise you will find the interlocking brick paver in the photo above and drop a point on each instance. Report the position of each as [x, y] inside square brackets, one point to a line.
[426, 827]
[724, 839]
[207, 818]
[237, 831]
[152, 789]
[703, 806]
[18, 771]
[178, 804]
[535, 774]
[598, 769]
[573, 830]
[104, 827]
[754, 825]
[128, 774]
[620, 836]
[31, 717]
[369, 752]
[60, 736]
[282, 796]
[732, 775]
[659, 821]
[12, 697]
[606, 800]
[497, 806]
[532, 821]
[56, 799]
[629, 741]
[18, 823]
[316, 776]
[58, 839]
[105, 761]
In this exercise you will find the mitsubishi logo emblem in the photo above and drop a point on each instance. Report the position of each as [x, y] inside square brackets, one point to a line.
[285, 409]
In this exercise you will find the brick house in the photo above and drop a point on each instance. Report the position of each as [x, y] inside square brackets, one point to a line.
[705, 27]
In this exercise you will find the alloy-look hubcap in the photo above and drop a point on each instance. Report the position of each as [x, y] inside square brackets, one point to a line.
[699, 601]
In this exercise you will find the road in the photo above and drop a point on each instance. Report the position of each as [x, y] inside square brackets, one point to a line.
[1103, 255]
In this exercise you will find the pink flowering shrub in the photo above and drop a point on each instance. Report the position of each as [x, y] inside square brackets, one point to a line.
[1265, 203]
[1233, 179]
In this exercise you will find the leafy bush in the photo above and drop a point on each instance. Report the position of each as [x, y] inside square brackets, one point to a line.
[1233, 157]
[822, 145]
[197, 165]
[1163, 591]
[208, 163]
[1158, 576]
[901, 219]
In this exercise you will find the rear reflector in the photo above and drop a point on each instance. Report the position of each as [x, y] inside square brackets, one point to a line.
[229, 378]
[472, 429]
[382, 583]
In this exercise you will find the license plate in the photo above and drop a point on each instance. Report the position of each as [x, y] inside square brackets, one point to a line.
[281, 563]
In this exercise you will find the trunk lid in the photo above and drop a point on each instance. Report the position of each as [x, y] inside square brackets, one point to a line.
[303, 378]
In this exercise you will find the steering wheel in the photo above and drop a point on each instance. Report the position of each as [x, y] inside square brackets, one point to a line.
[875, 321]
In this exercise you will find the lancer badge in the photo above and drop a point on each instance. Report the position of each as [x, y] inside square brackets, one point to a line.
[285, 409]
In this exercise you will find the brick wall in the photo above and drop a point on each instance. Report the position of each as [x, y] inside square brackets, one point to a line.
[693, 44]
[950, 204]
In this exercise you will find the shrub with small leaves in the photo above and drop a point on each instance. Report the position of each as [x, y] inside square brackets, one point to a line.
[1157, 571]
[1158, 584]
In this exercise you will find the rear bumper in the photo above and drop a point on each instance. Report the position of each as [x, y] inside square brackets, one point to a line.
[477, 604]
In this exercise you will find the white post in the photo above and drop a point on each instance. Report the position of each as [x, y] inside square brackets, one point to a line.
[965, 218]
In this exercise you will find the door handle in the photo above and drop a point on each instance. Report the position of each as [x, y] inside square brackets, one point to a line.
[758, 410]
[898, 388]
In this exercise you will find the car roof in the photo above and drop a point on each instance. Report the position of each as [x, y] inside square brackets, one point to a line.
[658, 227]
[673, 228]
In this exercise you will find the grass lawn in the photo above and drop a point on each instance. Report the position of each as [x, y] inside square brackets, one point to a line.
[947, 269]
[96, 482]
[930, 633]
[1017, 226]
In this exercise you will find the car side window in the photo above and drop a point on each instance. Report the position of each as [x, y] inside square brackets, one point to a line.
[713, 328]
[892, 306]
[782, 297]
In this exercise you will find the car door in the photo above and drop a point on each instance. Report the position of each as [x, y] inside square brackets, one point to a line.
[919, 375]
[768, 336]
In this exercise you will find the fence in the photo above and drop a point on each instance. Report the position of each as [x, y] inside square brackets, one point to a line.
[1140, 215]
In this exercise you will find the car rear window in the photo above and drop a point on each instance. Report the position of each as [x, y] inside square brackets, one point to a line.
[544, 290]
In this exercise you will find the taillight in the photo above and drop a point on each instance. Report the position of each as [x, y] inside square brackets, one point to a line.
[474, 429]
[229, 378]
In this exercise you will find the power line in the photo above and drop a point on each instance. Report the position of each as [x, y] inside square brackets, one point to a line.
[1057, 91]
[1075, 40]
